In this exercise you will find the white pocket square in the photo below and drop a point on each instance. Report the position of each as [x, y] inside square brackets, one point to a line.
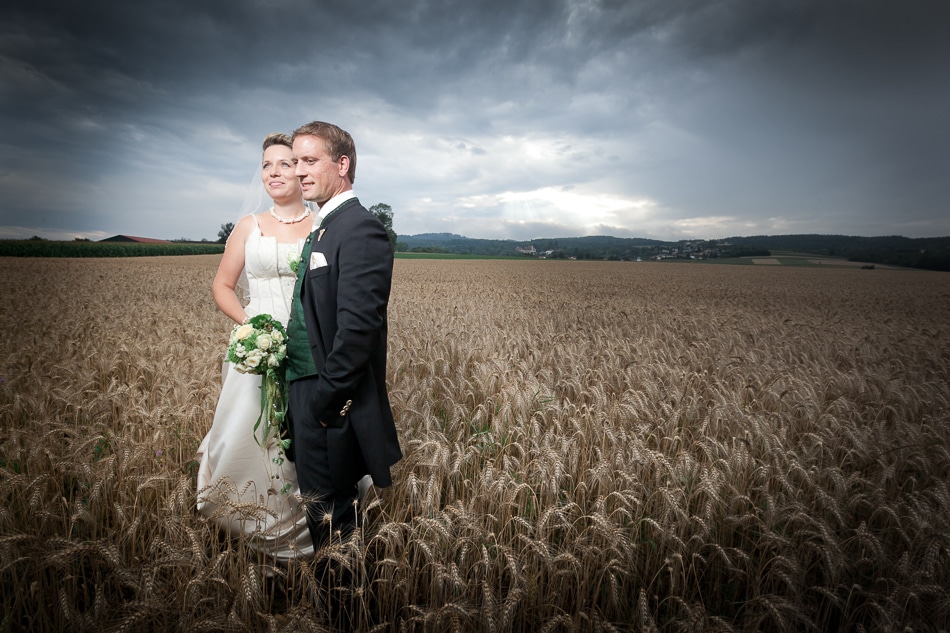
[317, 260]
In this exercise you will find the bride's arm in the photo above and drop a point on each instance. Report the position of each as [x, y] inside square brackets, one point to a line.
[229, 271]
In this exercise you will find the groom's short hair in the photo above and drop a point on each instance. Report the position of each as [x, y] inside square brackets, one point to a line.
[338, 142]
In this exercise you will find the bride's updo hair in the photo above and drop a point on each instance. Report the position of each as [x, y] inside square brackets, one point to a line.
[277, 138]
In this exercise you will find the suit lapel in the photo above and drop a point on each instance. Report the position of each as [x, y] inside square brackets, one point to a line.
[333, 215]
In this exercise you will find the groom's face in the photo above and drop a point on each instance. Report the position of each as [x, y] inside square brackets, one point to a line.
[320, 176]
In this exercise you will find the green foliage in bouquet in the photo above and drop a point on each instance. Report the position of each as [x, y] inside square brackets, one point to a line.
[260, 347]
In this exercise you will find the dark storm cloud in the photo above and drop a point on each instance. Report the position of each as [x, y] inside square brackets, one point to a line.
[847, 95]
[659, 118]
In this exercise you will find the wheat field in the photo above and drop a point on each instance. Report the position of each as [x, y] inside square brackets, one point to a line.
[589, 446]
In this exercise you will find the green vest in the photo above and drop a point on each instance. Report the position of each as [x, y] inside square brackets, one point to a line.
[299, 359]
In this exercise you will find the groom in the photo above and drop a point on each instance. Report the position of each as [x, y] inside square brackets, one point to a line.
[341, 424]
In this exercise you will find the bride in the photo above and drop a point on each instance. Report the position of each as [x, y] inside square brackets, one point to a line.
[242, 486]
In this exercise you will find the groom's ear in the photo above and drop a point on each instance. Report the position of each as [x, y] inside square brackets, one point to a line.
[344, 165]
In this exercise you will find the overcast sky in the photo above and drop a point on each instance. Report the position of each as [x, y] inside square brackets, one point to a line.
[522, 119]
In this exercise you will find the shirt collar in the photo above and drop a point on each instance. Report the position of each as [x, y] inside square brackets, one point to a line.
[333, 203]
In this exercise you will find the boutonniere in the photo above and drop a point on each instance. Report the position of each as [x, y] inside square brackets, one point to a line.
[294, 262]
[320, 234]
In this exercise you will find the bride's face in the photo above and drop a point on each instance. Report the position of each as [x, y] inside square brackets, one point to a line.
[277, 173]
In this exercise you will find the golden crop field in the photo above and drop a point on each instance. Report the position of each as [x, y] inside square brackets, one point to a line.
[590, 446]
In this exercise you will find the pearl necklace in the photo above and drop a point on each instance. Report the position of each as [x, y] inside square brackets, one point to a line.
[283, 220]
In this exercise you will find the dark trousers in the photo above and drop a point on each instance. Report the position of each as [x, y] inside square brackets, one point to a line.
[331, 513]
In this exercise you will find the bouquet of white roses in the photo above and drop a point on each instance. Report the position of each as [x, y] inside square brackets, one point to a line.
[259, 346]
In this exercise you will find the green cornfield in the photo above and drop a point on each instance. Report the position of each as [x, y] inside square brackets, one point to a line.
[45, 248]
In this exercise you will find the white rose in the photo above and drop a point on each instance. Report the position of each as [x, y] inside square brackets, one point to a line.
[264, 341]
[273, 361]
[277, 336]
[253, 359]
[244, 331]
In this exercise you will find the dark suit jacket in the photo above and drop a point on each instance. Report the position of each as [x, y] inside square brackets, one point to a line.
[344, 306]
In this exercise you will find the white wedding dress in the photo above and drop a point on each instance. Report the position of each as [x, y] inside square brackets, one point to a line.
[239, 485]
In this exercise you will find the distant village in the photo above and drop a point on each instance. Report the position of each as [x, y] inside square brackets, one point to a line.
[686, 250]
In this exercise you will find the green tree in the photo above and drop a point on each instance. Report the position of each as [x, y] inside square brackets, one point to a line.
[225, 232]
[385, 214]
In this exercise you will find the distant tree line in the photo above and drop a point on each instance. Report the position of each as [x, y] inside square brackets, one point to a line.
[926, 253]
[929, 253]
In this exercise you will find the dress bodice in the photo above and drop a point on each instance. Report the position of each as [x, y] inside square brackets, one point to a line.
[270, 279]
